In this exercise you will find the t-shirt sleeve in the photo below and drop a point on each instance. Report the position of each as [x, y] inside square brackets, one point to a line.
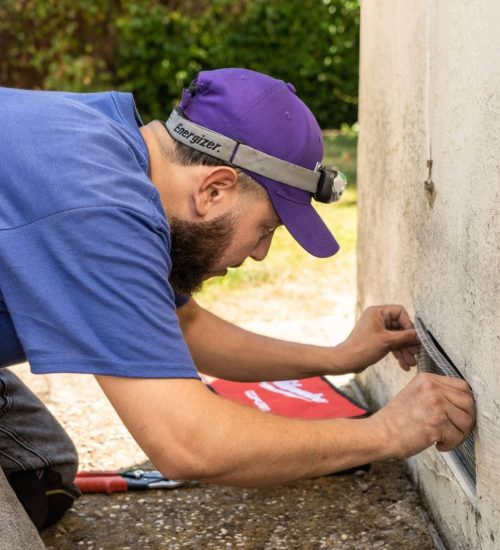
[88, 292]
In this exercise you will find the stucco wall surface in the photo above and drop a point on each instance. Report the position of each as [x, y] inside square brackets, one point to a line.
[430, 84]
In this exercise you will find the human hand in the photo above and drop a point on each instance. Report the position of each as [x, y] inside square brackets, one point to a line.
[431, 409]
[379, 330]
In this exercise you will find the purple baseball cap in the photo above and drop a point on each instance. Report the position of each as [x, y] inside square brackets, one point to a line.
[266, 114]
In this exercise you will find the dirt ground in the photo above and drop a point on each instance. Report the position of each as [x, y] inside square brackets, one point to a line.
[367, 510]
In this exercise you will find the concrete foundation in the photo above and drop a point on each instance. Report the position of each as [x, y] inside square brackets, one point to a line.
[429, 232]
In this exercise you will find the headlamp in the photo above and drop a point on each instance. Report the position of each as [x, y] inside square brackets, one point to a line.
[325, 184]
[331, 184]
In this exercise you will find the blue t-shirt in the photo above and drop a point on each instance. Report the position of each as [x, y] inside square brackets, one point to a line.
[84, 241]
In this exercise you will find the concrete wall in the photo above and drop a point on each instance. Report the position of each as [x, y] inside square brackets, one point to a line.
[430, 85]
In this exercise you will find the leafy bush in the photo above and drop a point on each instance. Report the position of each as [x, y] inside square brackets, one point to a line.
[155, 47]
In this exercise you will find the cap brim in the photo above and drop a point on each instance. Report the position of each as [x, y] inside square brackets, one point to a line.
[305, 225]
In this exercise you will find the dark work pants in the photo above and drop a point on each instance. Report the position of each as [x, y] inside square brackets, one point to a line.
[39, 461]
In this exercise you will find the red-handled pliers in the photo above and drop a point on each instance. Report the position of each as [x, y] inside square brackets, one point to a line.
[129, 480]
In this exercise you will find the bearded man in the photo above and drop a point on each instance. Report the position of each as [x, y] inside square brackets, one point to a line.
[107, 228]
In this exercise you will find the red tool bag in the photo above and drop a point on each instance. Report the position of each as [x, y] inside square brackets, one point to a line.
[308, 398]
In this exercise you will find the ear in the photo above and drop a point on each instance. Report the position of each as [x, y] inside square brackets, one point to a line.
[216, 191]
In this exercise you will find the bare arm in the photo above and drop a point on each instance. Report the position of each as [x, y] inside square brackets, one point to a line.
[224, 350]
[190, 433]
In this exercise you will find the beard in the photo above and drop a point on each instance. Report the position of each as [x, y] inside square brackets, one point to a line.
[195, 250]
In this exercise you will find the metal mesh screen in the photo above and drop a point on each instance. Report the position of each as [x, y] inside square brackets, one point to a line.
[432, 358]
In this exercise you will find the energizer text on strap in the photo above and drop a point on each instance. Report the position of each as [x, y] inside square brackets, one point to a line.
[238, 154]
[325, 184]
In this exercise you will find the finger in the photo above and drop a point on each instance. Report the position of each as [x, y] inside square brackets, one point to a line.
[451, 438]
[398, 314]
[408, 357]
[399, 357]
[462, 401]
[402, 363]
[451, 382]
[402, 338]
[448, 382]
[397, 354]
[460, 419]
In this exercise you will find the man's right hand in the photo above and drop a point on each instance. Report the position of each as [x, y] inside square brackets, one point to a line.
[430, 409]
[190, 433]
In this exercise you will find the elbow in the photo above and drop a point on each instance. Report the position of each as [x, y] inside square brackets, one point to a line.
[196, 442]
[188, 460]
[181, 469]
[211, 468]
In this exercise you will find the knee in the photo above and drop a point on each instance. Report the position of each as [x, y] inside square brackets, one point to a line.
[43, 494]
[65, 462]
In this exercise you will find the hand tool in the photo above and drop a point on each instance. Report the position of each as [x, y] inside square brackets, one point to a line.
[102, 481]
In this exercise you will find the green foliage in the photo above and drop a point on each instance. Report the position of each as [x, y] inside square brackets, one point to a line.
[155, 47]
[311, 43]
[341, 152]
[66, 44]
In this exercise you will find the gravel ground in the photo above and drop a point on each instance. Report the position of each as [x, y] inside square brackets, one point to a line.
[376, 509]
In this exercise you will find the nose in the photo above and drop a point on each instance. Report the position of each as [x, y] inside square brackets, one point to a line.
[262, 248]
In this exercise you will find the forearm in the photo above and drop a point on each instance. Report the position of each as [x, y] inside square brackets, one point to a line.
[226, 351]
[190, 433]
[263, 449]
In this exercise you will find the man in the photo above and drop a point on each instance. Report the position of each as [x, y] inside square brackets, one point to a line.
[107, 225]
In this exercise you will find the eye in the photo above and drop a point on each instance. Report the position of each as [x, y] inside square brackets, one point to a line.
[267, 230]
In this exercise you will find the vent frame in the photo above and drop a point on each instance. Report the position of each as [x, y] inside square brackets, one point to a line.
[462, 460]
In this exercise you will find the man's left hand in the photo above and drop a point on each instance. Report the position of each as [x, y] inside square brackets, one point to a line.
[380, 330]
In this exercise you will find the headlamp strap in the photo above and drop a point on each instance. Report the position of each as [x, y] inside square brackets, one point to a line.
[240, 155]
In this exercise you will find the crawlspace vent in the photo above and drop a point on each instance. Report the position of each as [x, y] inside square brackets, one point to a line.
[432, 358]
